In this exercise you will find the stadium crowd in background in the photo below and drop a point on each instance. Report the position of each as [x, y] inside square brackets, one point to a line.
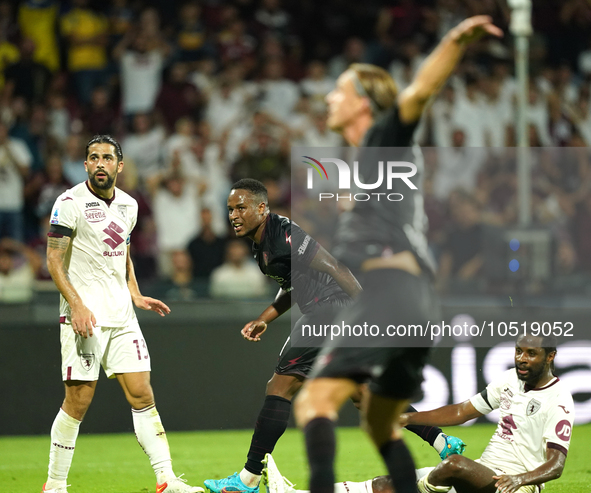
[214, 91]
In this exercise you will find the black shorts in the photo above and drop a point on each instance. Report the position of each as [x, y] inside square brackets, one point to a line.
[389, 296]
[299, 360]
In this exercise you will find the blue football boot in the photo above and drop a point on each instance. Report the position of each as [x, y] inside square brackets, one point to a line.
[453, 445]
[231, 484]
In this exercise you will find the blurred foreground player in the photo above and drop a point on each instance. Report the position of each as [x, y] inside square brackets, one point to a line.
[528, 448]
[88, 258]
[386, 242]
[321, 286]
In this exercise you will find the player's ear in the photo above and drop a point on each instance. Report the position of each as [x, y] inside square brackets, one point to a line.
[120, 167]
[550, 357]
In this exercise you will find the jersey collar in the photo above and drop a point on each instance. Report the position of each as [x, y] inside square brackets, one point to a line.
[554, 381]
[106, 201]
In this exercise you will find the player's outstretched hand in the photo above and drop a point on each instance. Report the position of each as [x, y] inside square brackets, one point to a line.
[83, 321]
[147, 303]
[252, 331]
[508, 484]
[403, 419]
[474, 28]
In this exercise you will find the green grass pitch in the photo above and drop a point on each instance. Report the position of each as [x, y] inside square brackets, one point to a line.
[116, 464]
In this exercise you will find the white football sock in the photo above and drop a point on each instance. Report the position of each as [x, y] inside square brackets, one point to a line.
[349, 487]
[64, 432]
[439, 443]
[249, 479]
[152, 438]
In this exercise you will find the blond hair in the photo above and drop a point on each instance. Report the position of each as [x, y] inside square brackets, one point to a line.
[376, 84]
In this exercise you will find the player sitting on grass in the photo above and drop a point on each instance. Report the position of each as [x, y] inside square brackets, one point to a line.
[528, 448]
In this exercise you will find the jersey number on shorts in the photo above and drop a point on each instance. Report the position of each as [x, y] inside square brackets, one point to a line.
[139, 351]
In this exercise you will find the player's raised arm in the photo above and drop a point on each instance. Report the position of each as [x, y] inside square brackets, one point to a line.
[549, 470]
[325, 262]
[440, 64]
[83, 320]
[452, 415]
[253, 330]
[143, 302]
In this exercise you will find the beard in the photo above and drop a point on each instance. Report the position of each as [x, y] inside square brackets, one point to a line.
[102, 185]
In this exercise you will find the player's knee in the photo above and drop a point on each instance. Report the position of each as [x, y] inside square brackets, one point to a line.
[454, 466]
[382, 484]
[284, 386]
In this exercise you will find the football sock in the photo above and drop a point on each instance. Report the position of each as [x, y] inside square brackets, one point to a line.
[270, 425]
[64, 432]
[427, 433]
[151, 436]
[321, 447]
[249, 479]
[349, 487]
[400, 466]
[439, 443]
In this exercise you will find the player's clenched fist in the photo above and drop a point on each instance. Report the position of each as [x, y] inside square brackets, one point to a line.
[252, 331]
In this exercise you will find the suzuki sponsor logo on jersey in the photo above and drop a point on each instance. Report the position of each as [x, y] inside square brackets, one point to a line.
[533, 407]
[117, 253]
[113, 231]
[388, 171]
[95, 215]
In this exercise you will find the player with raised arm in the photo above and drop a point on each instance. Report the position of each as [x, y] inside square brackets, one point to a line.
[88, 258]
[321, 286]
[386, 242]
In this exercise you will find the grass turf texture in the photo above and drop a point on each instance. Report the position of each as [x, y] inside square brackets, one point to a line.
[116, 464]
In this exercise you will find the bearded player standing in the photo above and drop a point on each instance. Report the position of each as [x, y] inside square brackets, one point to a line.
[88, 258]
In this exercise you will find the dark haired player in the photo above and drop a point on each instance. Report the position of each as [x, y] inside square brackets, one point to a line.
[310, 277]
[386, 242]
[528, 448]
[88, 258]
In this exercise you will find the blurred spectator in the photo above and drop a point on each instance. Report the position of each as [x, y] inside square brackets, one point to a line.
[87, 35]
[207, 249]
[18, 265]
[354, 52]
[73, 159]
[279, 95]
[141, 63]
[270, 18]
[180, 285]
[37, 20]
[238, 277]
[191, 35]
[176, 204]
[319, 135]
[58, 118]
[145, 145]
[15, 163]
[121, 17]
[9, 54]
[178, 97]
[26, 77]
[100, 117]
[235, 45]
[317, 85]
[462, 255]
[44, 187]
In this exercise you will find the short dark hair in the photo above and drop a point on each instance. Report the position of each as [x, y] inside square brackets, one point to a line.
[255, 187]
[106, 139]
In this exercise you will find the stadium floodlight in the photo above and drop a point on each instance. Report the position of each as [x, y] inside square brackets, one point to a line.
[520, 26]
